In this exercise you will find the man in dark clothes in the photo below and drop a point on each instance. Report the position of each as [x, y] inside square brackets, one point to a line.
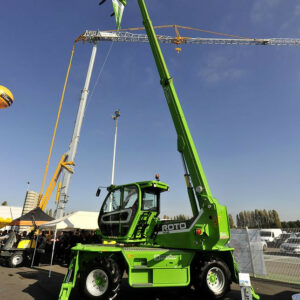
[40, 248]
[59, 247]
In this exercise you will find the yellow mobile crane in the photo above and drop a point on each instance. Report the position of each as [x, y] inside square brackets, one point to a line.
[63, 164]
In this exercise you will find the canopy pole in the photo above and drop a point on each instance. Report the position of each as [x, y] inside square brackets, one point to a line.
[53, 248]
[36, 242]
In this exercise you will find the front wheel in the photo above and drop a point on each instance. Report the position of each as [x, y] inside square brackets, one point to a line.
[212, 277]
[101, 280]
[16, 260]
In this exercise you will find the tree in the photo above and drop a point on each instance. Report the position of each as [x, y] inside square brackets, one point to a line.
[265, 217]
[252, 220]
[277, 223]
[257, 217]
[241, 220]
[291, 224]
[4, 203]
[231, 222]
[180, 217]
[238, 222]
[260, 219]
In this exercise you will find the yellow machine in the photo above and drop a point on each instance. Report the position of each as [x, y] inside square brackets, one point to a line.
[26, 244]
[6, 97]
[21, 254]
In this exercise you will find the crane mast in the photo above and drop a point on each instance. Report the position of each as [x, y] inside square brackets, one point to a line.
[63, 197]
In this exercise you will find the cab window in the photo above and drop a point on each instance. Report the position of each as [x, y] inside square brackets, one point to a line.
[112, 202]
[150, 201]
[131, 197]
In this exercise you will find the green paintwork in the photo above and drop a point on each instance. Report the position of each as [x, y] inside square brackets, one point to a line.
[148, 267]
[212, 278]
[254, 295]
[131, 236]
[70, 278]
[213, 219]
[158, 253]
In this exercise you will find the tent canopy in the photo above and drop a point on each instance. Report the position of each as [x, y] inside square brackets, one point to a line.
[87, 220]
[26, 220]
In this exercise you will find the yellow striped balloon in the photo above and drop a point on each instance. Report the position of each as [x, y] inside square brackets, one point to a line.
[6, 97]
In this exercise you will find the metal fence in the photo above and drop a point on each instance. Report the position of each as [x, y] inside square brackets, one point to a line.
[278, 259]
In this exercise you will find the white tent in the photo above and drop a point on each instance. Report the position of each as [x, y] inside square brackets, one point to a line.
[87, 220]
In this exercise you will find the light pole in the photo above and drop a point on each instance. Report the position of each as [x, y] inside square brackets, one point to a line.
[115, 117]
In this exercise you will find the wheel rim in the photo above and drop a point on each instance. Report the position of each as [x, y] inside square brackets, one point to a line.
[17, 259]
[97, 282]
[215, 279]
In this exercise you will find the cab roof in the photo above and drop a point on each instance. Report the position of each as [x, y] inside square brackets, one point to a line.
[146, 184]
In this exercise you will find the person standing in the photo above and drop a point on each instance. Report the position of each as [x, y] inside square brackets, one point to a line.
[40, 248]
[10, 240]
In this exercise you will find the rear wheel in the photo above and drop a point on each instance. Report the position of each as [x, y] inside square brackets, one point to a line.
[101, 280]
[16, 260]
[212, 277]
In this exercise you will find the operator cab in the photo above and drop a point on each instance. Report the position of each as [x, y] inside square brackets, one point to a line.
[128, 210]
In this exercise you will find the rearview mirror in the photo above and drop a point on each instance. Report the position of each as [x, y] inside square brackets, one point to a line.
[98, 192]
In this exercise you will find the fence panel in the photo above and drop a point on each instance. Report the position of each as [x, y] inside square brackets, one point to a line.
[275, 260]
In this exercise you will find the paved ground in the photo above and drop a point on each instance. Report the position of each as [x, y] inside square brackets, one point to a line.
[282, 267]
[25, 283]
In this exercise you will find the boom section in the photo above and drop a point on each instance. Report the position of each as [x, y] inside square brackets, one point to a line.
[185, 141]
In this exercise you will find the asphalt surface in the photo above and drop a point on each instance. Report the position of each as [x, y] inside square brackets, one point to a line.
[25, 283]
[282, 267]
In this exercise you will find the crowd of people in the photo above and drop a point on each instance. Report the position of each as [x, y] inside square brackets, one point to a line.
[64, 241]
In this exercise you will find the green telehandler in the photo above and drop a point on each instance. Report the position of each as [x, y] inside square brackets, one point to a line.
[154, 252]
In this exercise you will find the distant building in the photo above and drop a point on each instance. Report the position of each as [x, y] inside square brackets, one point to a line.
[9, 213]
[30, 202]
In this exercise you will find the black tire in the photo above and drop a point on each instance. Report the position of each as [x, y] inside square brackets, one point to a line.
[211, 277]
[107, 283]
[16, 260]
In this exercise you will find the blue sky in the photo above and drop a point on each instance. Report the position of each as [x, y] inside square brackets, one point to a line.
[241, 102]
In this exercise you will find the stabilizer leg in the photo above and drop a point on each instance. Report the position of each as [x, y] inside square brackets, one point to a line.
[69, 283]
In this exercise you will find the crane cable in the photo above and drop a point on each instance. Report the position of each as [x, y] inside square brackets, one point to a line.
[57, 119]
[182, 27]
[99, 74]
